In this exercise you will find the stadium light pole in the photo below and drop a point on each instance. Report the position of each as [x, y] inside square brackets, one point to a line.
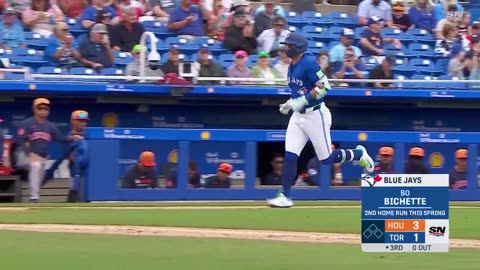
[153, 55]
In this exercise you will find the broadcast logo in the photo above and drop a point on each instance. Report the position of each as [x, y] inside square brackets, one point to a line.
[372, 180]
[437, 231]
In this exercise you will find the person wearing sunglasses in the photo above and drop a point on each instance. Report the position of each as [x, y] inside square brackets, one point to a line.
[60, 51]
[270, 39]
[34, 136]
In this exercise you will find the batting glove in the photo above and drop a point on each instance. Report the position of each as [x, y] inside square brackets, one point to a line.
[284, 108]
[297, 104]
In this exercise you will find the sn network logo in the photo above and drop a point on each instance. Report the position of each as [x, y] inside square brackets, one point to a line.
[372, 180]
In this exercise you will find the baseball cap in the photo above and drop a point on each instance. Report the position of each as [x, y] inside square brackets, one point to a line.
[9, 10]
[296, 39]
[99, 28]
[241, 54]
[417, 152]
[239, 12]
[386, 151]
[374, 20]
[225, 167]
[147, 159]
[263, 54]
[237, 3]
[80, 115]
[347, 32]
[41, 101]
[137, 48]
[461, 153]
[398, 7]
[174, 48]
[204, 48]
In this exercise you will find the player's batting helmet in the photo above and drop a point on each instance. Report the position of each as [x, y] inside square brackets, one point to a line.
[297, 44]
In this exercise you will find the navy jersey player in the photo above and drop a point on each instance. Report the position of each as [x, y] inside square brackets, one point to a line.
[311, 119]
[35, 134]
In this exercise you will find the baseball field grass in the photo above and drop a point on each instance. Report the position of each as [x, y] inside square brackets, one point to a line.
[63, 249]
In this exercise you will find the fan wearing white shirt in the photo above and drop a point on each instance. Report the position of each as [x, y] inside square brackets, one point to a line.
[282, 65]
[270, 39]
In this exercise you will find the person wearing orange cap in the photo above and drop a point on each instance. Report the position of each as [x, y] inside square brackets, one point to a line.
[415, 163]
[458, 175]
[386, 160]
[221, 179]
[34, 136]
[142, 174]
[400, 19]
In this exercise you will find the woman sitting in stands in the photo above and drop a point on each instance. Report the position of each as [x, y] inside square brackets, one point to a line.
[42, 16]
[451, 38]
[264, 70]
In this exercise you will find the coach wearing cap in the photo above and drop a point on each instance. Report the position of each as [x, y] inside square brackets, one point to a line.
[96, 52]
[458, 175]
[221, 179]
[142, 174]
[206, 67]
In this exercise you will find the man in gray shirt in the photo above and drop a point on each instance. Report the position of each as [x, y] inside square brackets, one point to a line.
[152, 68]
[370, 8]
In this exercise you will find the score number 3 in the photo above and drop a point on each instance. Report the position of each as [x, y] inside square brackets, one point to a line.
[416, 225]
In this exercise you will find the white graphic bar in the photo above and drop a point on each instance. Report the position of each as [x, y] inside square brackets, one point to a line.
[405, 180]
[444, 247]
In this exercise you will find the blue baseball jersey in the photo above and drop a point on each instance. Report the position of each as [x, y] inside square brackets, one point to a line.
[303, 76]
[39, 136]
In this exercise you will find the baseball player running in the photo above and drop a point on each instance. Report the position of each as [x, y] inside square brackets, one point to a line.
[311, 119]
[35, 134]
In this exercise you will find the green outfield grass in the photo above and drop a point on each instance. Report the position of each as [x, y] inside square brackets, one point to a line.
[54, 251]
[464, 221]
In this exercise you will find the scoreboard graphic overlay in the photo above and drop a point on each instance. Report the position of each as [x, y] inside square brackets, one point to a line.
[405, 213]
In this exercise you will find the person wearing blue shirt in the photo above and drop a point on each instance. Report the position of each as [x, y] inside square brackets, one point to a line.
[440, 9]
[89, 14]
[11, 31]
[59, 51]
[346, 40]
[311, 119]
[96, 51]
[187, 20]
[349, 68]
[421, 15]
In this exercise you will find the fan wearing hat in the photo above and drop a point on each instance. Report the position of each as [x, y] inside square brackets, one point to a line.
[35, 134]
[96, 51]
[400, 19]
[171, 65]
[458, 175]
[239, 35]
[385, 164]
[415, 162]
[239, 67]
[263, 19]
[221, 179]
[89, 14]
[206, 67]
[371, 41]
[151, 65]
[143, 174]
[12, 35]
[263, 70]
[337, 52]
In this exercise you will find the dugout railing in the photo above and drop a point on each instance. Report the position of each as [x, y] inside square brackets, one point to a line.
[105, 149]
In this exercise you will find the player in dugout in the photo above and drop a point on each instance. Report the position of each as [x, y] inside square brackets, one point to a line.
[415, 164]
[143, 174]
[76, 154]
[385, 164]
[221, 179]
[193, 176]
[458, 175]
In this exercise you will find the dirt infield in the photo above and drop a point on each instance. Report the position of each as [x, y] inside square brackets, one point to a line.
[321, 238]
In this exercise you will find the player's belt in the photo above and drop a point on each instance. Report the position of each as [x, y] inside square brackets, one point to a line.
[311, 109]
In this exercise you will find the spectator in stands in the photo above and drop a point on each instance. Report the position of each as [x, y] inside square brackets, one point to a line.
[171, 65]
[453, 18]
[89, 15]
[278, 9]
[60, 51]
[152, 68]
[300, 6]
[475, 65]
[456, 65]
[263, 20]
[127, 34]
[240, 35]
[18, 5]
[382, 72]
[474, 37]
[400, 19]
[464, 27]
[346, 40]
[415, 163]
[440, 10]
[271, 39]
[385, 164]
[161, 9]
[193, 176]
[350, 68]
[239, 5]
[221, 179]
[263, 70]
[138, 8]
[206, 67]
[313, 176]
[458, 175]
[371, 41]
[216, 21]
[211, 5]
[142, 174]
[239, 67]
[41, 17]
[105, 18]
[72, 8]
[284, 62]
[96, 51]
[451, 38]
[374, 8]
[186, 21]
[274, 177]
[421, 15]
[324, 63]
[11, 31]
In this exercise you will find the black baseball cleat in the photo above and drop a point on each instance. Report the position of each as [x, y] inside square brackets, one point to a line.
[72, 196]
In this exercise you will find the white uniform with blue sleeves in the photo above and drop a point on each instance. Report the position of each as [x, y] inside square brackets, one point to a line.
[315, 120]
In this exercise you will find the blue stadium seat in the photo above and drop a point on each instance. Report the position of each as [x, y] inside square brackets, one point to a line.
[298, 22]
[342, 19]
[456, 83]
[14, 76]
[74, 26]
[178, 41]
[312, 15]
[324, 37]
[420, 49]
[51, 70]
[390, 50]
[3, 53]
[160, 30]
[397, 34]
[27, 57]
[35, 41]
[404, 70]
[310, 29]
[112, 72]
[194, 57]
[336, 30]
[226, 58]
[82, 71]
[442, 63]
[432, 85]
[425, 67]
[317, 45]
[400, 84]
[324, 22]
[369, 62]
[421, 36]
[206, 40]
[122, 59]
[292, 15]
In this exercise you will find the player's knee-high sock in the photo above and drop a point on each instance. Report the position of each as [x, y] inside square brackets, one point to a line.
[35, 178]
[289, 172]
[343, 155]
